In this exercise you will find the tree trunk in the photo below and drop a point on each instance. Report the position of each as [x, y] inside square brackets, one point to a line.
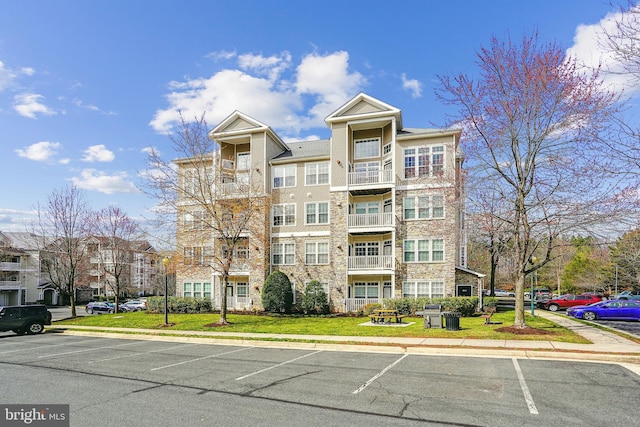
[519, 307]
[224, 282]
[72, 301]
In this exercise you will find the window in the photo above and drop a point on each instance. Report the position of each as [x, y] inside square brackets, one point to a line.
[194, 220]
[244, 161]
[186, 290]
[283, 253]
[423, 207]
[242, 289]
[317, 213]
[317, 253]
[423, 288]
[367, 148]
[284, 214]
[197, 255]
[316, 173]
[366, 172]
[193, 179]
[284, 176]
[365, 289]
[423, 161]
[423, 250]
[196, 290]
[367, 248]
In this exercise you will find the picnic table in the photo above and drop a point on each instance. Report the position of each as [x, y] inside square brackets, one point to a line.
[386, 316]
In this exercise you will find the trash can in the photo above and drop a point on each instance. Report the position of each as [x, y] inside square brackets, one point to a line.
[452, 321]
[432, 316]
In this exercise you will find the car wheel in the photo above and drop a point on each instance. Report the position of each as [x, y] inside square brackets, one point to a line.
[18, 331]
[589, 315]
[553, 307]
[35, 328]
[111, 311]
[90, 310]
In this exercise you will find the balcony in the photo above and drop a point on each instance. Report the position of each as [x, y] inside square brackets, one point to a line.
[371, 177]
[374, 220]
[10, 284]
[355, 304]
[10, 266]
[373, 262]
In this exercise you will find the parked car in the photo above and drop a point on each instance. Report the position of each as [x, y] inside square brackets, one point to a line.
[21, 319]
[569, 300]
[503, 293]
[612, 310]
[103, 307]
[136, 305]
[628, 295]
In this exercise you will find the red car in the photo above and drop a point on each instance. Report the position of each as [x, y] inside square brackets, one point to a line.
[569, 300]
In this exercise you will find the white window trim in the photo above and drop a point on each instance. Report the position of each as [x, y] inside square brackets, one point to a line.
[362, 140]
[316, 173]
[284, 253]
[416, 155]
[416, 251]
[283, 168]
[316, 253]
[430, 285]
[284, 215]
[317, 214]
[416, 207]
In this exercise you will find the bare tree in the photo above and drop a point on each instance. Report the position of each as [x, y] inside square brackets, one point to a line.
[67, 221]
[533, 126]
[118, 237]
[218, 212]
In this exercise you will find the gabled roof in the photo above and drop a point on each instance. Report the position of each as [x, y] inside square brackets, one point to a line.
[238, 124]
[364, 106]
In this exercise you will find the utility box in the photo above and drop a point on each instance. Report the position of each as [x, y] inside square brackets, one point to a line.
[432, 314]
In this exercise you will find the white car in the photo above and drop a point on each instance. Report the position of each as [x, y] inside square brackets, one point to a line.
[503, 293]
[136, 305]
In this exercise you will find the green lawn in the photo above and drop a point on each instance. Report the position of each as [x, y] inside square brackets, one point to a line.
[471, 327]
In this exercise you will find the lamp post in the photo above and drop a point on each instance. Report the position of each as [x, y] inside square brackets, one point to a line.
[165, 262]
[533, 263]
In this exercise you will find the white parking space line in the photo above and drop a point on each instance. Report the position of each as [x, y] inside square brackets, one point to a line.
[199, 358]
[87, 350]
[378, 375]
[525, 390]
[46, 346]
[141, 353]
[275, 366]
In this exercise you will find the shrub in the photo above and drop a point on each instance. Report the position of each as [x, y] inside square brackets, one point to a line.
[277, 296]
[463, 305]
[367, 309]
[179, 305]
[315, 300]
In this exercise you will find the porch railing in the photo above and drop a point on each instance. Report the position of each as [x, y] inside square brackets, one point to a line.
[384, 176]
[370, 220]
[234, 303]
[374, 262]
[354, 304]
[10, 266]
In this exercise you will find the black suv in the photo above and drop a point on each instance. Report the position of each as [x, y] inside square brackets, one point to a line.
[21, 319]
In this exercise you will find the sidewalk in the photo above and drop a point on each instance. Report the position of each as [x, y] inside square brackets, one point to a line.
[605, 346]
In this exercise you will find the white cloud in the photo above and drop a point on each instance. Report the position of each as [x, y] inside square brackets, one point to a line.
[222, 54]
[587, 48]
[93, 180]
[28, 105]
[40, 151]
[6, 76]
[98, 153]
[264, 90]
[412, 85]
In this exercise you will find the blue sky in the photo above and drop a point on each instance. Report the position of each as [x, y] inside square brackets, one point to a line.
[86, 87]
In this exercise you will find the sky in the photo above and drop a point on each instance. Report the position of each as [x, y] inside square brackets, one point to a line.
[88, 87]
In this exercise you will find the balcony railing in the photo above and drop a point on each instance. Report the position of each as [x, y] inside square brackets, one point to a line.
[374, 262]
[234, 303]
[10, 284]
[384, 176]
[10, 266]
[370, 220]
[354, 304]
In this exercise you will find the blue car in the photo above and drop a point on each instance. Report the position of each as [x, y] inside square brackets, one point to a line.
[607, 310]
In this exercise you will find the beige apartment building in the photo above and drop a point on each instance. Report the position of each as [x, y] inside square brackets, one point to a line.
[373, 212]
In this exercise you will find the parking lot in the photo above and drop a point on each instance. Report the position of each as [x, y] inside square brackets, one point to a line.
[184, 383]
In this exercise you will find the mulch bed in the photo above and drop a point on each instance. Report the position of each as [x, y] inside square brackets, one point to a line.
[523, 331]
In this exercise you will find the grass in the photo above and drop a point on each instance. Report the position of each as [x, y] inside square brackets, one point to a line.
[471, 327]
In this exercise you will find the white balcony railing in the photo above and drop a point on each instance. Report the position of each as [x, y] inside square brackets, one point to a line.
[371, 177]
[235, 303]
[354, 304]
[374, 262]
[10, 284]
[10, 266]
[370, 220]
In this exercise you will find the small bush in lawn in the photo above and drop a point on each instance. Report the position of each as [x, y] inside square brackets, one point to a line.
[179, 305]
[277, 295]
[315, 300]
